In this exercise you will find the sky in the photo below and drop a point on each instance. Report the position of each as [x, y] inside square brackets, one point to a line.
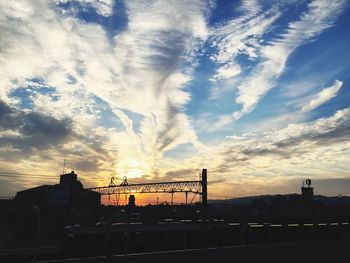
[257, 92]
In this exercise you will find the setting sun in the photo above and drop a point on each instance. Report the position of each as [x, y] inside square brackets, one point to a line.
[132, 168]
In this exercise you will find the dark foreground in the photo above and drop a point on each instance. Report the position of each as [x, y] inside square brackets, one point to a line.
[180, 241]
[321, 251]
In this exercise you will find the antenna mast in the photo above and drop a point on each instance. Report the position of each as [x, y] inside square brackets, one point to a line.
[64, 166]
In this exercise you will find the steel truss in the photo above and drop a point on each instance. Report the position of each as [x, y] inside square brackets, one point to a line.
[197, 187]
[164, 187]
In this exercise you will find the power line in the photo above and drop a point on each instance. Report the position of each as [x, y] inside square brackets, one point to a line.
[27, 176]
[16, 173]
[43, 177]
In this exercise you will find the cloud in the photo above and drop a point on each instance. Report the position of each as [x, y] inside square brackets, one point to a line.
[296, 142]
[156, 56]
[182, 174]
[221, 122]
[31, 129]
[319, 16]
[240, 36]
[84, 70]
[102, 7]
[323, 96]
[32, 141]
[245, 35]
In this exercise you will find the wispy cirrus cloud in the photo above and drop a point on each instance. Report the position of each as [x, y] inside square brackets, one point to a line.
[141, 71]
[240, 36]
[102, 7]
[323, 96]
[245, 35]
[156, 55]
[319, 16]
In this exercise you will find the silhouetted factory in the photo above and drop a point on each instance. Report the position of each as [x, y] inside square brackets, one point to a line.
[68, 193]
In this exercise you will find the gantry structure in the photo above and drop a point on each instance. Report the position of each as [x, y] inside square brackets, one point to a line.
[197, 187]
[143, 188]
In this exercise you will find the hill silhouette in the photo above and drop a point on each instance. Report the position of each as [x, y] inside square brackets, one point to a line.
[247, 200]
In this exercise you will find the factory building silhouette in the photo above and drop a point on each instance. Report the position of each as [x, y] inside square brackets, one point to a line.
[68, 193]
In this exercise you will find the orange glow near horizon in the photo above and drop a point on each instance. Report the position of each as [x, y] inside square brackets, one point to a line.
[146, 199]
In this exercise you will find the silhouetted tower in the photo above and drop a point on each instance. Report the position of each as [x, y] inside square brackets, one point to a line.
[307, 192]
[70, 180]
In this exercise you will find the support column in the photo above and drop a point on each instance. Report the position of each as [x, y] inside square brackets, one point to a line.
[204, 209]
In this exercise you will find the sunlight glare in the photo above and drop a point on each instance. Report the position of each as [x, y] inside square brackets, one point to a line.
[132, 168]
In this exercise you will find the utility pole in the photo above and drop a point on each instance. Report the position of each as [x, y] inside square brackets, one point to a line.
[204, 183]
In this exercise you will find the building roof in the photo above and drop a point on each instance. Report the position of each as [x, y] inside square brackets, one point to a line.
[44, 187]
